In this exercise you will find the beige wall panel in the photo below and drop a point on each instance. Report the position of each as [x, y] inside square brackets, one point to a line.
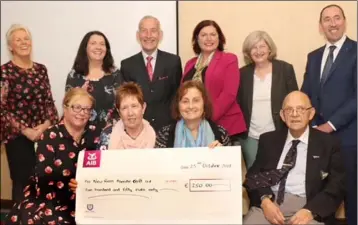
[292, 25]
[6, 183]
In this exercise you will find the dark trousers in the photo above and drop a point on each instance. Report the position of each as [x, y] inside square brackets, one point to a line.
[350, 161]
[235, 138]
[21, 158]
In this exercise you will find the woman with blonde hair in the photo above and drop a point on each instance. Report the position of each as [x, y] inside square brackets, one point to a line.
[47, 198]
[27, 107]
[265, 81]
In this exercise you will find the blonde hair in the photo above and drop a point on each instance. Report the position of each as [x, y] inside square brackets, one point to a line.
[75, 93]
[149, 17]
[13, 28]
[252, 39]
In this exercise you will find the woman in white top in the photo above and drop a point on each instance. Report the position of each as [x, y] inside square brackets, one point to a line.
[264, 83]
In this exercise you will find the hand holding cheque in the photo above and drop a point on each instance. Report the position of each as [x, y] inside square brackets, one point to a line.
[160, 186]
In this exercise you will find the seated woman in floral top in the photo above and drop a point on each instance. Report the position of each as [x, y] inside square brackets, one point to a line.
[194, 128]
[47, 198]
[131, 131]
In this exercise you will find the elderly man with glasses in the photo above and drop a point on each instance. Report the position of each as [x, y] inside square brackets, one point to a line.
[298, 175]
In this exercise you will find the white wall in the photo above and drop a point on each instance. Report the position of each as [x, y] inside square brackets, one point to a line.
[58, 27]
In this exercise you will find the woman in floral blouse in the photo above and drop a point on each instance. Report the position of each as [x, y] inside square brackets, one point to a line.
[27, 108]
[94, 71]
[47, 198]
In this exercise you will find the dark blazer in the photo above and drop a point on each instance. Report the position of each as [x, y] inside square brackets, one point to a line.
[166, 135]
[158, 93]
[337, 100]
[283, 82]
[323, 195]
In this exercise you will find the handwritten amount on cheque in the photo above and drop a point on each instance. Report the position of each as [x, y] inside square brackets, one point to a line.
[143, 185]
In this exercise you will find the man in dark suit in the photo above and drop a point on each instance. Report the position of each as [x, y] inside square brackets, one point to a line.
[157, 72]
[298, 175]
[331, 83]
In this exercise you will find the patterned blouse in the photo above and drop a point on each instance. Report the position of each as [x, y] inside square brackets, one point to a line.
[47, 197]
[29, 101]
[104, 138]
[103, 91]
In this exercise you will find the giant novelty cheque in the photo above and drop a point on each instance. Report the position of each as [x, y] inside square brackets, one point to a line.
[160, 186]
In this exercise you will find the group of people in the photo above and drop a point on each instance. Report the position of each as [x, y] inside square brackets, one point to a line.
[150, 103]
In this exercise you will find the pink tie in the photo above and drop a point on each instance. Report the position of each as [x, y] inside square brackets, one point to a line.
[149, 67]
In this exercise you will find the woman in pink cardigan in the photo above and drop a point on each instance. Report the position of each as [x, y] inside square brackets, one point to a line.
[219, 71]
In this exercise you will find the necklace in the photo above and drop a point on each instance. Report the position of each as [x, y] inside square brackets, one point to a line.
[136, 136]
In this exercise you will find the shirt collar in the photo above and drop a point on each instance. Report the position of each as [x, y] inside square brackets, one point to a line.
[338, 43]
[303, 138]
[154, 55]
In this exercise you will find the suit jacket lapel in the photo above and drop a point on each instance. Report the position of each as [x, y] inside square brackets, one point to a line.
[250, 85]
[278, 145]
[142, 68]
[312, 165]
[275, 92]
[342, 54]
[317, 68]
[159, 66]
[212, 65]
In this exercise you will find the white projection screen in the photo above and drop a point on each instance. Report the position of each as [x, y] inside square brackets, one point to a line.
[57, 28]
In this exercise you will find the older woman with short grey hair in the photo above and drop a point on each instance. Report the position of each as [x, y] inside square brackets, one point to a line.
[264, 83]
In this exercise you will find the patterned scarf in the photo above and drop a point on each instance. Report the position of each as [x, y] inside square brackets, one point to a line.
[184, 138]
[199, 66]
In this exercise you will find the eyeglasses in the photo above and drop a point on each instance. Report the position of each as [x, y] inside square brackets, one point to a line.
[299, 110]
[79, 108]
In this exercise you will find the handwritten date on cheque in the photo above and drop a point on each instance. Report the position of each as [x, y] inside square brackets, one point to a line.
[205, 165]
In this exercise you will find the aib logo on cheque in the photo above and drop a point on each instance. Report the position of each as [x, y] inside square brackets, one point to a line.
[92, 159]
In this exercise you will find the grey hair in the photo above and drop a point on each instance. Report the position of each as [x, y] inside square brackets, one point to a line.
[255, 37]
[148, 17]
